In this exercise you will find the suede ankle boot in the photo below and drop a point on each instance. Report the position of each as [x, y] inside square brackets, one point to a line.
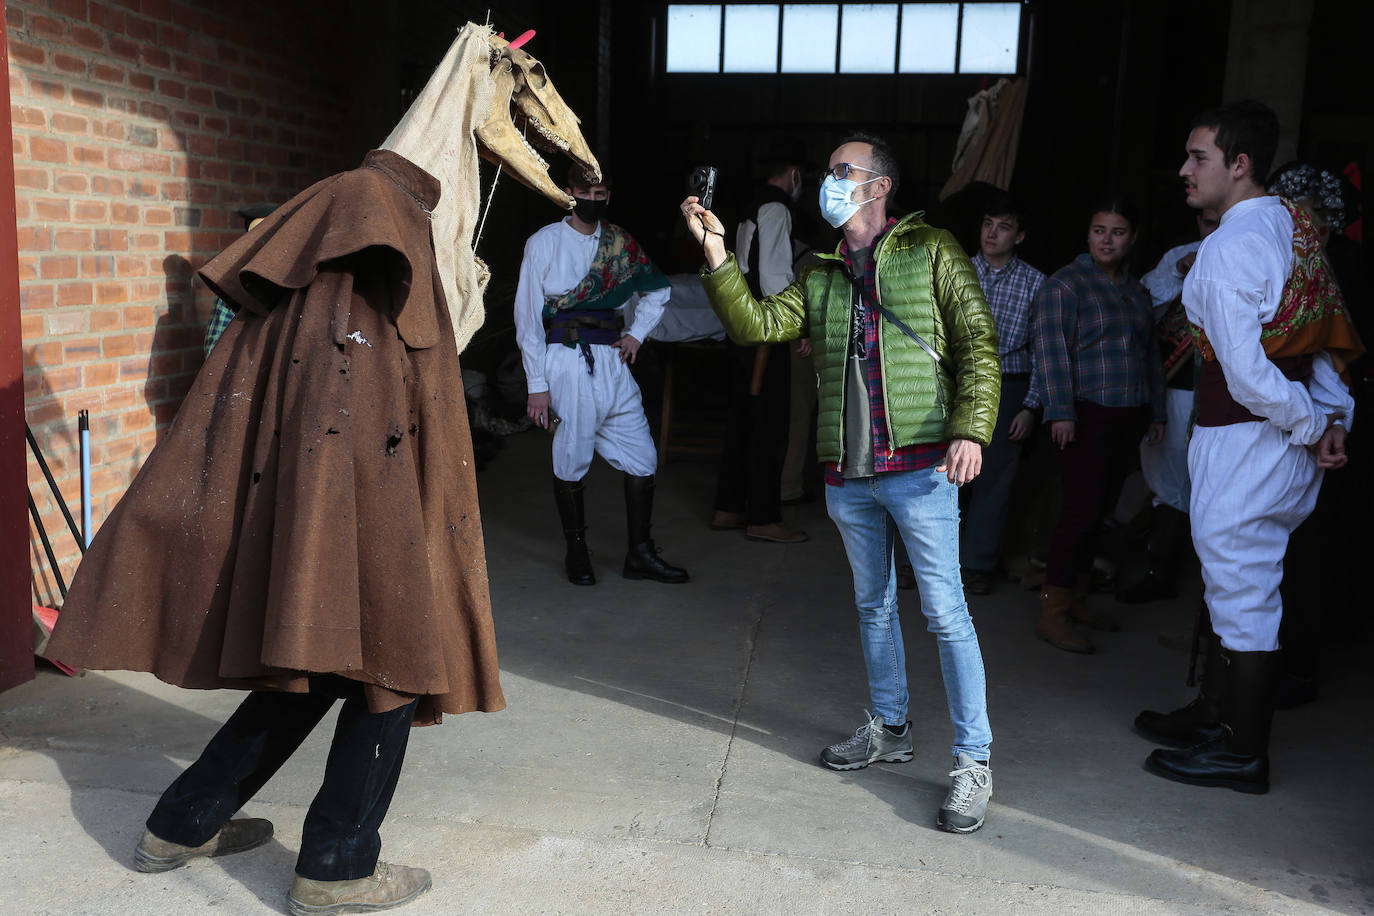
[1239, 759]
[1080, 611]
[641, 559]
[1054, 626]
[577, 562]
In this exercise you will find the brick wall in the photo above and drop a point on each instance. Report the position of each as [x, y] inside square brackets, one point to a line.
[139, 127]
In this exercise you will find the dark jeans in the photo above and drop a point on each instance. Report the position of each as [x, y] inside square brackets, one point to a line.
[1092, 468]
[755, 436]
[340, 839]
[984, 500]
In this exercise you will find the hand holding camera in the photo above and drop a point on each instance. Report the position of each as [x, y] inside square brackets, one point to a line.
[705, 227]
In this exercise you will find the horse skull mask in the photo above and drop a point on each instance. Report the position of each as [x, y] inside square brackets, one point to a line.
[526, 111]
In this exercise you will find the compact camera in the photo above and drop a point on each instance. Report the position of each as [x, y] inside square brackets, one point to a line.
[702, 185]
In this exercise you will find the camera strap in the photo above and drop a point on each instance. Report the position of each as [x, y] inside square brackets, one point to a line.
[902, 325]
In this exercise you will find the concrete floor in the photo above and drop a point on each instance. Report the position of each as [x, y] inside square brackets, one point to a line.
[659, 755]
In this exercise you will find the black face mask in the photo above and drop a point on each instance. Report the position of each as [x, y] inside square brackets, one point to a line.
[590, 211]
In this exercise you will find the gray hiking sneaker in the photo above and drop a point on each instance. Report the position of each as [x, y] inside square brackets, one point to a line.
[874, 742]
[967, 802]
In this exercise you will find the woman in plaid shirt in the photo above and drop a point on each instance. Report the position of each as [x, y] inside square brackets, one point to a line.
[1104, 387]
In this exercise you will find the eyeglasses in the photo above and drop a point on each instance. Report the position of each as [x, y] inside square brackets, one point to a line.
[841, 171]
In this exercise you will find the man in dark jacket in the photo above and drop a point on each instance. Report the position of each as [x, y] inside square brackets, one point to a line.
[748, 491]
[906, 352]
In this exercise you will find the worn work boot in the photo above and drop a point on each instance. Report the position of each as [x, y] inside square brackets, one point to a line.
[387, 886]
[577, 563]
[967, 803]
[1199, 721]
[1240, 758]
[1054, 626]
[641, 559]
[155, 854]
[1084, 613]
[874, 742]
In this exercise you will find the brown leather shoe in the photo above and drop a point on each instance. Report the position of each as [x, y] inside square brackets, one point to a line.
[1054, 626]
[727, 521]
[154, 854]
[1083, 613]
[777, 532]
[387, 886]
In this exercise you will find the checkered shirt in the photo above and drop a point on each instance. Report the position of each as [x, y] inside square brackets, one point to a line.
[1010, 291]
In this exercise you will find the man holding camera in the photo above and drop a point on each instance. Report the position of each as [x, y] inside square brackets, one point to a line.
[906, 353]
[576, 278]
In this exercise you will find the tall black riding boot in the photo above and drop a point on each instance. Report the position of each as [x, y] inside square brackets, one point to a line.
[577, 562]
[642, 560]
[1240, 759]
[1200, 720]
[1169, 533]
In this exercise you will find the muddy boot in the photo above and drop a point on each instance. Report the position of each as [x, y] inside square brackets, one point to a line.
[387, 886]
[1200, 720]
[641, 559]
[1054, 626]
[155, 854]
[1240, 758]
[577, 562]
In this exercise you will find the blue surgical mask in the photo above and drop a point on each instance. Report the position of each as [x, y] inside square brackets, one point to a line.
[836, 206]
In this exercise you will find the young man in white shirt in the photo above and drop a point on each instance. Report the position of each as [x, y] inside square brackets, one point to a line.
[576, 279]
[1272, 416]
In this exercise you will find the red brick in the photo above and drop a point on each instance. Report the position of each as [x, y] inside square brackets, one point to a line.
[31, 325]
[199, 95]
[107, 17]
[31, 178]
[47, 27]
[111, 240]
[35, 238]
[44, 412]
[158, 216]
[21, 208]
[132, 370]
[86, 399]
[28, 269]
[87, 211]
[175, 190]
[98, 375]
[131, 266]
[122, 47]
[44, 149]
[74, 294]
[72, 183]
[42, 355]
[110, 130]
[88, 97]
[69, 123]
[124, 213]
[110, 294]
[156, 162]
[125, 160]
[96, 266]
[143, 188]
[73, 239]
[50, 209]
[121, 398]
[72, 9]
[157, 58]
[68, 63]
[91, 156]
[143, 82]
[108, 74]
[58, 268]
[91, 39]
[81, 350]
[36, 297]
[104, 184]
[154, 110]
[172, 89]
[27, 53]
[63, 323]
[117, 345]
[140, 29]
[102, 320]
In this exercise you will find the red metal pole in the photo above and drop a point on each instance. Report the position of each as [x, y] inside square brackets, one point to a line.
[16, 605]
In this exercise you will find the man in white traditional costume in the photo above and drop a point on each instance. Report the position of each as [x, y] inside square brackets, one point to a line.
[1272, 415]
[577, 278]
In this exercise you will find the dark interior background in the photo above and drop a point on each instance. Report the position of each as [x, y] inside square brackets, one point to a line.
[1112, 89]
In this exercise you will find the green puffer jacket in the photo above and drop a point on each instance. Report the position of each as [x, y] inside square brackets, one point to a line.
[927, 281]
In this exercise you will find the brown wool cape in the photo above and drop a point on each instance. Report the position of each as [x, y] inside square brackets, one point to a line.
[313, 506]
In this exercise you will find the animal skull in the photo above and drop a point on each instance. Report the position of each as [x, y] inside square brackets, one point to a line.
[527, 111]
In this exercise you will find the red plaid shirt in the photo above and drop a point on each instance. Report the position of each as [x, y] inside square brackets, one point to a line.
[885, 458]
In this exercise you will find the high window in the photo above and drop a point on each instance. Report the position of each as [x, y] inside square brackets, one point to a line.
[932, 37]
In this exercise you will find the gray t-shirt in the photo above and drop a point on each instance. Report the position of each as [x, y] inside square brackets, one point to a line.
[858, 420]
